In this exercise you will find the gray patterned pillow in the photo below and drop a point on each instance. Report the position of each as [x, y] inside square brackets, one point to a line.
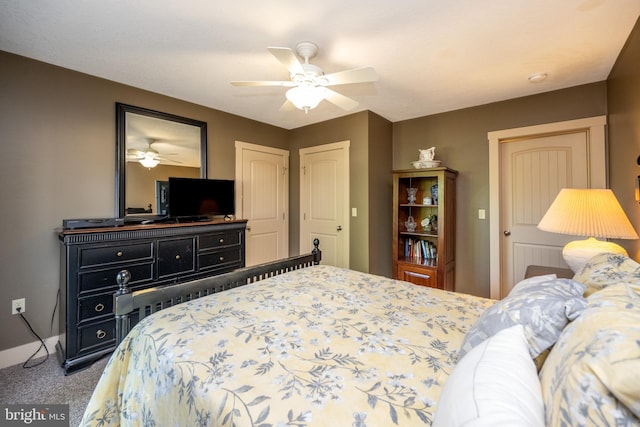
[542, 306]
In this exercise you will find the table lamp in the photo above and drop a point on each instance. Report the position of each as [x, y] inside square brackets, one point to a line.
[592, 213]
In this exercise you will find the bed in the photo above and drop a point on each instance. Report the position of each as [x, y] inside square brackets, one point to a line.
[325, 346]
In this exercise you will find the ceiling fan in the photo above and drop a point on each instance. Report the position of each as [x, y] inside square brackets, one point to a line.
[309, 83]
[149, 158]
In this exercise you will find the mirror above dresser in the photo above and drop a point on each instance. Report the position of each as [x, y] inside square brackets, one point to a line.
[150, 147]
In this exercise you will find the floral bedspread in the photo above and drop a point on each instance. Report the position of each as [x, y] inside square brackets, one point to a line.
[321, 346]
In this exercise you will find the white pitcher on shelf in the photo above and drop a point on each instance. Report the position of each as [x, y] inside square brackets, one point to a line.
[428, 154]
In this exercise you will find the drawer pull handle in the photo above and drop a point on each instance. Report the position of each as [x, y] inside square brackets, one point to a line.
[99, 307]
[221, 240]
[119, 253]
[221, 258]
[177, 256]
[100, 334]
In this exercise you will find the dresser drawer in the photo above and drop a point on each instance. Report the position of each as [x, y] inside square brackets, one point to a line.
[93, 307]
[91, 281]
[97, 335]
[220, 258]
[219, 240]
[95, 256]
[175, 256]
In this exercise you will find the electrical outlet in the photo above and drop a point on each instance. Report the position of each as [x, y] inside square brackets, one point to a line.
[18, 306]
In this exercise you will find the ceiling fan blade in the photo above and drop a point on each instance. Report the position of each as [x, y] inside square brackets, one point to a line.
[168, 160]
[356, 75]
[340, 100]
[263, 83]
[288, 59]
[134, 154]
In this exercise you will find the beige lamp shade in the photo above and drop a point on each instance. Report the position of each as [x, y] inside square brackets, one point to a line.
[587, 212]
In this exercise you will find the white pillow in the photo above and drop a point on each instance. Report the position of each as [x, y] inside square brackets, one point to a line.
[495, 384]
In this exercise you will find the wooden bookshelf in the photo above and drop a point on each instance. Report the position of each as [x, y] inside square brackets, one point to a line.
[425, 255]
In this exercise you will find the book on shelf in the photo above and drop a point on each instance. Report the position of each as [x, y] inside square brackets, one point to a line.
[419, 250]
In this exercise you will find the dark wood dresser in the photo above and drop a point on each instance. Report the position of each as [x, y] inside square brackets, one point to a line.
[154, 255]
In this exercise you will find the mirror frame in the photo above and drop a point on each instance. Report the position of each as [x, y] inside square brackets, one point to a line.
[121, 146]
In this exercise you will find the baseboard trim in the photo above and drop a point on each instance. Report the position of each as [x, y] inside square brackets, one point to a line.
[18, 355]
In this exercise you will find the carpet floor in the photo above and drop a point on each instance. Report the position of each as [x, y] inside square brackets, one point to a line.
[47, 384]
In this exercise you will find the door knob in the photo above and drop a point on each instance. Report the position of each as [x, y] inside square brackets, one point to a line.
[507, 233]
[339, 228]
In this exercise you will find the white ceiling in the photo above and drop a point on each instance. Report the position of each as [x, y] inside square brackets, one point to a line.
[431, 55]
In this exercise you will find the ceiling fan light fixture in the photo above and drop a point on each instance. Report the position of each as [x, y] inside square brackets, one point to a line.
[308, 83]
[306, 97]
[149, 162]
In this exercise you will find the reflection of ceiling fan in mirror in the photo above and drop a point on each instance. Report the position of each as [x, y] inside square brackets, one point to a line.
[150, 157]
[309, 83]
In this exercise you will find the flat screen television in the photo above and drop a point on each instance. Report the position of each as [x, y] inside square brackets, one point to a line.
[197, 197]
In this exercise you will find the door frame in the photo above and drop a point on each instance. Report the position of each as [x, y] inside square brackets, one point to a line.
[597, 175]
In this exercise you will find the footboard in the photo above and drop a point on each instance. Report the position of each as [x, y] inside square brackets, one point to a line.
[130, 307]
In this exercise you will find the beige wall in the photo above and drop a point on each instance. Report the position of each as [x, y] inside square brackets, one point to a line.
[57, 160]
[623, 98]
[379, 213]
[369, 185]
[460, 138]
[354, 129]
